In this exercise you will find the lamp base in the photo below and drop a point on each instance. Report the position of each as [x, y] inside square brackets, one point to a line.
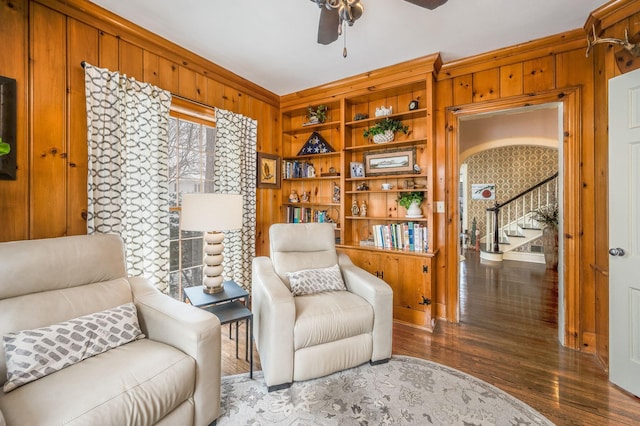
[213, 290]
[212, 280]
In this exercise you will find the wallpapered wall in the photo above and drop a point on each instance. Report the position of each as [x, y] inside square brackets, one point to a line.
[512, 169]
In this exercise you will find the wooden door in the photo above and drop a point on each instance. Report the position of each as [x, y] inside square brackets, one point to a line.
[624, 231]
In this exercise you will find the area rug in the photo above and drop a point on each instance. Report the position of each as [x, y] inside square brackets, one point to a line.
[404, 391]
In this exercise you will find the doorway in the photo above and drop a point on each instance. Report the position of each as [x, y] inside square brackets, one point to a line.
[568, 273]
[510, 151]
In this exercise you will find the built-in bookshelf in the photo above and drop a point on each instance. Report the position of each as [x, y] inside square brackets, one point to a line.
[356, 185]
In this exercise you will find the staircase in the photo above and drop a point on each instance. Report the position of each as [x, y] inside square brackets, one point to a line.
[511, 224]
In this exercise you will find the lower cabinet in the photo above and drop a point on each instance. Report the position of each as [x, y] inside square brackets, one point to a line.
[409, 275]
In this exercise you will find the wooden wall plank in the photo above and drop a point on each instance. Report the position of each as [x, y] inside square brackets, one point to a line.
[539, 75]
[463, 90]
[168, 78]
[131, 62]
[83, 42]
[201, 88]
[215, 92]
[48, 122]
[14, 194]
[443, 293]
[150, 69]
[486, 85]
[511, 80]
[186, 83]
[109, 51]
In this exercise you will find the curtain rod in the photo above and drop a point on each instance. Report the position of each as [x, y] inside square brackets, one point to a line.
[175, 95]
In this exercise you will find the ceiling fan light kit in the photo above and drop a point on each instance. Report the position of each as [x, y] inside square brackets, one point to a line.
[334, 14]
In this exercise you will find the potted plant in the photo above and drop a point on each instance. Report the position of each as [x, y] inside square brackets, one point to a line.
[317, 114]
[411, 201]
[384, 130]
[547, 217]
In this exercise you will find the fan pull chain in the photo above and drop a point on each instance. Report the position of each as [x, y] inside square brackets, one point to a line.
[344, 50]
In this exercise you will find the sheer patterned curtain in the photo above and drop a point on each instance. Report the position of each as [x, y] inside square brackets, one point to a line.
[235, 173]
[127, 127]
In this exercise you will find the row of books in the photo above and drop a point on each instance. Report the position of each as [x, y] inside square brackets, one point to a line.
[410, 236]
[297, 169]
[305, 215]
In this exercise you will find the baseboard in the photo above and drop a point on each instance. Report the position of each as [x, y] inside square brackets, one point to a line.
[521, 256]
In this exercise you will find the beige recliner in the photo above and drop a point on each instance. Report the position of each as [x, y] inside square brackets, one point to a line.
[307, 336]
[171, 377]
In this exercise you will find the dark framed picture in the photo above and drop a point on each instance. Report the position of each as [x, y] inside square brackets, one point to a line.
[8, 128]
[391, 162]
[268, 168]
[357, 169]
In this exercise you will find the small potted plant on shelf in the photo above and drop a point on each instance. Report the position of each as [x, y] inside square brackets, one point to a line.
[385, 130]
[317, 114]
[411, 201]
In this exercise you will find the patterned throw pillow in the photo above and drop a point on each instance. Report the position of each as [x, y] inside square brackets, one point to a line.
[32, 354]
[309, 281]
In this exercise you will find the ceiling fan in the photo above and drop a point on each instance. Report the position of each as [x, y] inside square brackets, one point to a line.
[336, 13]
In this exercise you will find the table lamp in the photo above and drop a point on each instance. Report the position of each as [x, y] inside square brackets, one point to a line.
[211, 213]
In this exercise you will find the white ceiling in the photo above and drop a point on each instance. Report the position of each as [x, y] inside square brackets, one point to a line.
[273, 43]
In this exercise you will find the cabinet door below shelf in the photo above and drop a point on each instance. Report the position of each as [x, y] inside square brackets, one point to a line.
[408, 287]
[412, 292]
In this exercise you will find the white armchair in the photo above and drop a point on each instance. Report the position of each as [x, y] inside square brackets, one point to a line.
[307, 336]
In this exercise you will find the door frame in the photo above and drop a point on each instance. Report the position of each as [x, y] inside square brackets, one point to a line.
[569, 296]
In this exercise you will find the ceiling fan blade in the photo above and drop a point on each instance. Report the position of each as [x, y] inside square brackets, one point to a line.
[429, 4]
[328, 27]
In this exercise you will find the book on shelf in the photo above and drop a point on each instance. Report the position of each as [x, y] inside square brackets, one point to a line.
[407, 236]
[303, 214]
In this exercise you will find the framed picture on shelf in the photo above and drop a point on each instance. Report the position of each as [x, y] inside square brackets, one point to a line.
[357, 169]
[268, 169]
[391, 162]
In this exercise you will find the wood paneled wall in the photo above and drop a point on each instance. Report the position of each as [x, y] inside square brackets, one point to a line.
[555, 63]
[611, 21]
[548, 69]
[47, 41]
[49, 38]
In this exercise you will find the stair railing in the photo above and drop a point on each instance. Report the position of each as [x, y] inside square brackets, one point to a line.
[516, 213]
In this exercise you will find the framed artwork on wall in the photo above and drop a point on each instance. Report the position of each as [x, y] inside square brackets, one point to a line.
[483, 191]
[269, 175]
[7, 128]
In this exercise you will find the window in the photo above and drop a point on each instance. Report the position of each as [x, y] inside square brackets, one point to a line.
[191, 161]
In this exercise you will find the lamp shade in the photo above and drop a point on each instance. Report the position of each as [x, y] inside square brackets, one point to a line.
[211, 212]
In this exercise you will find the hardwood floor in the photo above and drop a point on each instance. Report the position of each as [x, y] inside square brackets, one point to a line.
[507, 336]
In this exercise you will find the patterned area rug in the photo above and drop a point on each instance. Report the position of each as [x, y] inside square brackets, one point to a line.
[405, 391]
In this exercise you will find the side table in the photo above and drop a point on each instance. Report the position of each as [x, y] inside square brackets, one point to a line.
[230, 306]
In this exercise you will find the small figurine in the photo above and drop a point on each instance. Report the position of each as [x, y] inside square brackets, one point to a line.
[336, 193]
[354, 208]
[305, 197]
[382, 111]
[363, 208]
[293, 197]
[363, 187]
